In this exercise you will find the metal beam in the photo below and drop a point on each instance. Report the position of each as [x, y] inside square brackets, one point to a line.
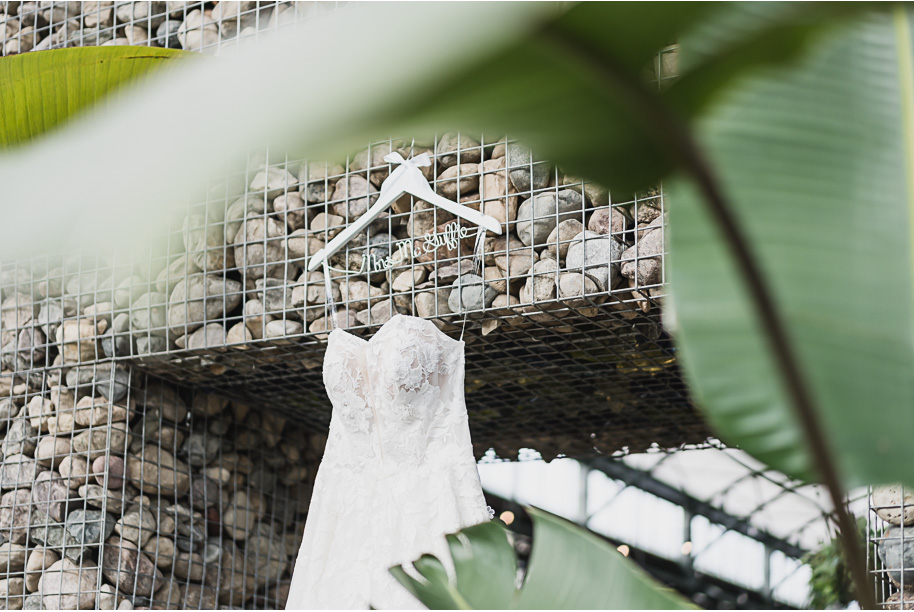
[645, 481]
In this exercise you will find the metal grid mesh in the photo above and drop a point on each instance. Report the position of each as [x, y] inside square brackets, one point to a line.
[890, 550]
[565, 348]
[206, 27]
[117, 486]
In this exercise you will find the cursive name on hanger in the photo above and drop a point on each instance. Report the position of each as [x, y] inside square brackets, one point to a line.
[411, 248]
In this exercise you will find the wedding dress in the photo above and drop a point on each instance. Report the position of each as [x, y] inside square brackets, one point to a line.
[398, 471]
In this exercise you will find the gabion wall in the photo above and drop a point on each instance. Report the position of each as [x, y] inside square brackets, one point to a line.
[123, 491]
[891, 545]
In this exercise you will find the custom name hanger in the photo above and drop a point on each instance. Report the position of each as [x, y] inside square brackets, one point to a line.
[406, 178]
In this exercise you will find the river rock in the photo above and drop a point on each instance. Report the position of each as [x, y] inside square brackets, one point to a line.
[167, 34]
[11, 592]
[160, 550]
[648, 269]
[99, 440]
[176, 271]
[274, 181]
[541, 285]
[68, 586]
[101, 497]
[209, 336]
[51, 450]
[166, 398]
[256, 258]
[21, 438]
[51, 495]
[40, 409]
[89, 527]
[454, 147]
[201, 450]
[39, 559]
[157, 472]
[188, 308]
[887, 503]
[243, 512]
[538, 216]
[14, 514]
[470, 293]
[77, 340]
[204, 241]
[525, 172]
[12, 558]
[898, 558]
[353, 195]
[462, 179]
[597, 254]
[294, 208]
[16, 471]
[128, 569]
[109, 471]
[148, 313]
[137, 524]
[75, 470]
[560, 238]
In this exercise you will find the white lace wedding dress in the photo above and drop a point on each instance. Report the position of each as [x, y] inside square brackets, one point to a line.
[398, 470]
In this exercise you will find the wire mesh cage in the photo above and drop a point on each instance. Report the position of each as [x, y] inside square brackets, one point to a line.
[117, 486]
[890, 548]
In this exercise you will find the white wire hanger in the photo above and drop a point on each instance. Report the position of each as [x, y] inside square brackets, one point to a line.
[406, 178]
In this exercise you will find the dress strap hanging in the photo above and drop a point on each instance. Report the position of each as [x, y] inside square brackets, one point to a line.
[330, 306]
[477, 267]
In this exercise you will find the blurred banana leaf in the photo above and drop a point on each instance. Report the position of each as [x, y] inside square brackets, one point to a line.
[569, 568]
[572, 81]
[816, 163]
[41, 90]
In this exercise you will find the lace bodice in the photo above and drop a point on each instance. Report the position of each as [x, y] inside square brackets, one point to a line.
[398, 471]
[394, 395]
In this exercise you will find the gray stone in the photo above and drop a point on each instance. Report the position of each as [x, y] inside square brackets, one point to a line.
[148, 345]
[167, 33]
[98, 496]
[21, 438]
[118, 345]
[206, 492]
[16, 471]
[519, 169]
[111, 386]
[898, 558]
[204, 242]
[276, 295]
[167, 399]
[599, 255]
[209, 336]
[89, 527]
[256, 259]
[200, 450]
[470, 292]
[148, 313]
[274, 181]
[538, 216]
[188, 308]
